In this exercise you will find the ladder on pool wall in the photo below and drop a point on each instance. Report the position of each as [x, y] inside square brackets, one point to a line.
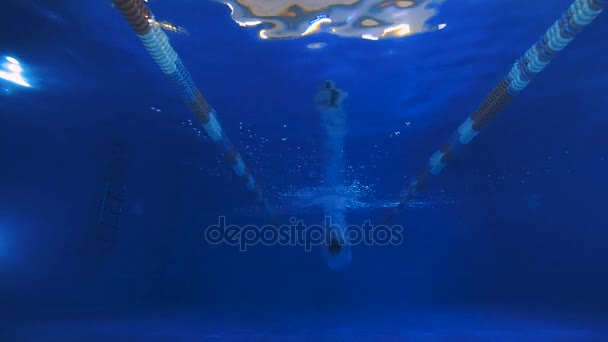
[113, 203]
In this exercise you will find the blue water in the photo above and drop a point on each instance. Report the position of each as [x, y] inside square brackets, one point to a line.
[507, 244]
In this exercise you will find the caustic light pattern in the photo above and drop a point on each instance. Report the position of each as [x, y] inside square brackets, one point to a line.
[367, 19]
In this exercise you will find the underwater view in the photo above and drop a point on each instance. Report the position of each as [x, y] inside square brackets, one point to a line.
[303, 170]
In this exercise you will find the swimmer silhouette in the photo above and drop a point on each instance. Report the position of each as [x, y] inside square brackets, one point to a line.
[328, 101]
[335, 247]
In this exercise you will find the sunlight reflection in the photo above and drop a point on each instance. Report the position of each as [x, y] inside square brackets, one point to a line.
[367, 19]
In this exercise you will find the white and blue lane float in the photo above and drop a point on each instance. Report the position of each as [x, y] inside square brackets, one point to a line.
[156, 42]
[579, 15]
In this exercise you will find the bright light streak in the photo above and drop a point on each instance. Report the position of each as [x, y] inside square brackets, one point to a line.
[316, 25]
[248, 23]
[12, 71]
[15, 78]
[369, 37]
[15, 68]
[11, 60]
[398, 30]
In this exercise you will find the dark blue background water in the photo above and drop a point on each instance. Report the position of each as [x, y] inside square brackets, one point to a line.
[523, 236]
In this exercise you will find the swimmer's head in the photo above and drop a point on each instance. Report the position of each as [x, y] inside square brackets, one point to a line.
[337, 252]
[329, 97]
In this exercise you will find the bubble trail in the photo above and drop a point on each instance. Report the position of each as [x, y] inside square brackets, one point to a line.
[333, 120]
